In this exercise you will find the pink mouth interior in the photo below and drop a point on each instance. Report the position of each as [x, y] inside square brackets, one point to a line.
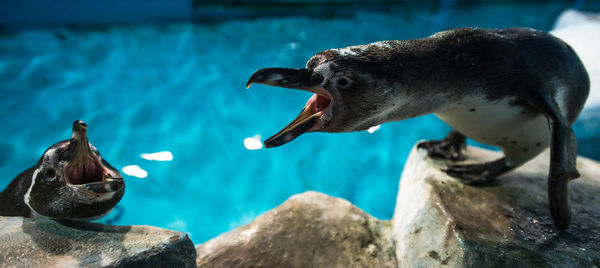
[90, 171]
[318, 103]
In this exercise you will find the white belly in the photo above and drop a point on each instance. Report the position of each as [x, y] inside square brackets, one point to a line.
[521, 134]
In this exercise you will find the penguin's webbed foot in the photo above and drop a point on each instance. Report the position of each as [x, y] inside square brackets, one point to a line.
[471, 174]
[450, 148]
[484, 174]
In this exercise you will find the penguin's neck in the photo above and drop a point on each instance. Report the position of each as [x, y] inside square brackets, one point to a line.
[12, 201]
[402, 108]
[420, 102]
[423, 86]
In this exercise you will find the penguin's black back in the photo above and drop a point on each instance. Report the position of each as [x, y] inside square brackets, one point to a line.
[12, 198]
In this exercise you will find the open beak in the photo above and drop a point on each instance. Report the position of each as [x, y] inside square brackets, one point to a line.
[311, 117]
[84, 170]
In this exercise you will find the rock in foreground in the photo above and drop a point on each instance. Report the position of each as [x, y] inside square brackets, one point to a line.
[308, 230]
[441, 222]
[438, 222]
[46, 243]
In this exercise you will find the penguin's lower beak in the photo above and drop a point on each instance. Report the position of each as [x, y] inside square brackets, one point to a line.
[311, 117]
[84, 169]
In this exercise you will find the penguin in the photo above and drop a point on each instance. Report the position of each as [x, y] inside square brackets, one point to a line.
[71, 181]
[518, 89]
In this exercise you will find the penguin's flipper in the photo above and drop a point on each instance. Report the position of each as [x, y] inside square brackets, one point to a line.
[563, 167]
[449, 148]
[479, 174]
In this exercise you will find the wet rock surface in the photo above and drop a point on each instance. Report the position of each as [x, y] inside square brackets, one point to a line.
[440, 222]
[47, 243]
[308, 230]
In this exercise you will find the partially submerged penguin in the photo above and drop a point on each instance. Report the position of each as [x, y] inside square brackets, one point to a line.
[70, 181]
[518, 89]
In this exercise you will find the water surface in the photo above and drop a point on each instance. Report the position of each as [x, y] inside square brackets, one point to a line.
[181, 88]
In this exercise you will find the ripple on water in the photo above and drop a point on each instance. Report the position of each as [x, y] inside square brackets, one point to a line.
[6, 151]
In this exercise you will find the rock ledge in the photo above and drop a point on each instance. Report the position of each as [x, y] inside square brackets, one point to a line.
[47, 243]
[307, 230]
[438, 222]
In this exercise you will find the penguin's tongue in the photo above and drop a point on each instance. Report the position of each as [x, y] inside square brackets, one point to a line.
[307, 120]
[89, 171]
[83, 167]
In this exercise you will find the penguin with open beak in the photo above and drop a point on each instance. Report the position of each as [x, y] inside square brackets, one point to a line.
[70, 181]
[517, 88]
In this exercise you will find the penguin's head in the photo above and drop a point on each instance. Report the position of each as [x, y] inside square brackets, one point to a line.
[350, 89]
[72, 181]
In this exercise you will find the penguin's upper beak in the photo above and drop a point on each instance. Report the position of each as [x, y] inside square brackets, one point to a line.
[302, 79]
[311, 117]
[84, 169]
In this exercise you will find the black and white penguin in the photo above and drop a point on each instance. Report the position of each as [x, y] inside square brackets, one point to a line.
[518, 89]
[70, 181]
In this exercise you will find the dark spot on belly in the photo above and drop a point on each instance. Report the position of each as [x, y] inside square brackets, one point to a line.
[538, 144]
[513, 142]
[472, 110]
[527, 107]
[525, 150]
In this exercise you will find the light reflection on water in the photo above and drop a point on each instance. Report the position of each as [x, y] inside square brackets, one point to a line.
[158, 156]
[135, 171]
[253, 143]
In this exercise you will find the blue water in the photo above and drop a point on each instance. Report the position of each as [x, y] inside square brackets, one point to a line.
[181, 88]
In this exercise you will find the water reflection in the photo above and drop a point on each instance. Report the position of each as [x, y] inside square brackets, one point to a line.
[158, 156]
[135, 171]
[253, 143]
[372, 129]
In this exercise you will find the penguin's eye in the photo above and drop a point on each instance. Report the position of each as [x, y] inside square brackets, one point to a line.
[312, 64]
[342, 82]
[65, 155]
[49, 173]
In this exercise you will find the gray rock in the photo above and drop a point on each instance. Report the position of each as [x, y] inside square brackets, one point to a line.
[308, 230]
[46, 243]
[440, 222]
